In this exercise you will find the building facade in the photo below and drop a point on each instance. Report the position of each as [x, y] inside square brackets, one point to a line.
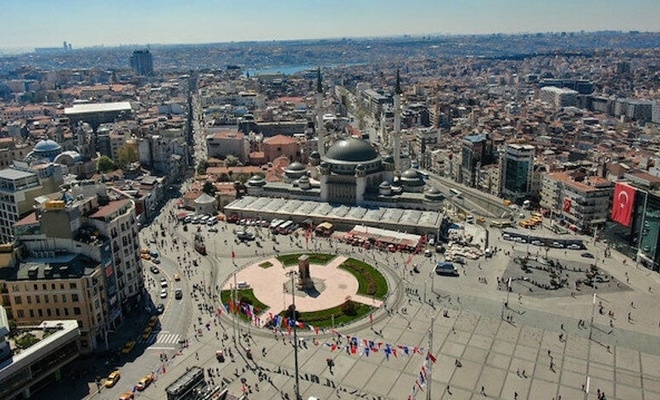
[517, 172]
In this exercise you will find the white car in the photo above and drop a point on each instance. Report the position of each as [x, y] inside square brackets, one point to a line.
[574, 246]
[557, 245]
[163, 293]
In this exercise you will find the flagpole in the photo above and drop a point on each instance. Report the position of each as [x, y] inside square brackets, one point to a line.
[233, 312]
[295, 336]
[430, 364]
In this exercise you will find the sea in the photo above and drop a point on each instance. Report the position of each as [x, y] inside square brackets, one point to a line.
[291, 69]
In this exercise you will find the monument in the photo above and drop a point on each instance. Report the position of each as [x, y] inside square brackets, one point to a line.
[304, 277]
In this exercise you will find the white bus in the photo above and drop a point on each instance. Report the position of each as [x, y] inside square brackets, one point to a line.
[456, 193]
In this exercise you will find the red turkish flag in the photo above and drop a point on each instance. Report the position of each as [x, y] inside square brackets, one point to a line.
[567, 204]
[622, 204]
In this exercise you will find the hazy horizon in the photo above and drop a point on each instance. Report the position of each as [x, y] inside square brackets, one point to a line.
[125, 22]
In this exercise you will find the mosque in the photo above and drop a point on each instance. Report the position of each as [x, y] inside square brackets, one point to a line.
[352, 174]
[49, 151]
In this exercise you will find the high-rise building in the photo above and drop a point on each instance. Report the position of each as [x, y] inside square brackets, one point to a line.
[476, 152]
[142, 62]
[558, 97]
[517, 172]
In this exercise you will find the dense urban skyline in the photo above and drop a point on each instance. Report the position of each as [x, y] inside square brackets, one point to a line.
[123, 22]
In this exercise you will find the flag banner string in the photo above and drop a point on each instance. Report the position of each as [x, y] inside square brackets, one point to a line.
[422, 380]
[353, 346]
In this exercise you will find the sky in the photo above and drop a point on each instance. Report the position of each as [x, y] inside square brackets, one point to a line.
[84, 23]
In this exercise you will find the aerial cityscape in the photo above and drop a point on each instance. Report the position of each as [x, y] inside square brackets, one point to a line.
[380, 207]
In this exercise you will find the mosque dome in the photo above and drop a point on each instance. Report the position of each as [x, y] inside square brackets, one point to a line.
[351, 150]
[409, 174]
[296, 166]
[433, 193]
[256, 180]
[410, 177]
[47, 145]
[315, 155]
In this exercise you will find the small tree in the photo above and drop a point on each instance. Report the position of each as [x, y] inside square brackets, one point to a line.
[349, 308]
[232, 161]
[127, 155]
[209, 188]
[105, 164]
[202, 166]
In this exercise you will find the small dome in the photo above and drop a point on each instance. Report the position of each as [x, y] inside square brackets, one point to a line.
[303, 179]
[433, 190]
[296, 166]
[352, 150]
[385, 184]
[315, 155]
[389, 160]
[256, 180]
[433, 193]
[409, 174]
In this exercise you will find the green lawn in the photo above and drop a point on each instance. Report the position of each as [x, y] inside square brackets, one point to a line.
[314, 258]
[323, 318]
[266, 264]
[243, 295]
[372, 283]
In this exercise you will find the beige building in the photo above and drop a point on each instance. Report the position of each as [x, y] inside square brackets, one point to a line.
[583, 204]
[225, 143]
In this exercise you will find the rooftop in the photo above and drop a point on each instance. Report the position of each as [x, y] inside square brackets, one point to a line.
[97, 107]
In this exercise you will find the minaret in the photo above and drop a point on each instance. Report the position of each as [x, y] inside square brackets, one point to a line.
[397, 123]
[320, 134]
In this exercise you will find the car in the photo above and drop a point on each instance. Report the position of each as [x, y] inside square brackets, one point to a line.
[557, 245]
[574, 246]
[537, 243]
[112, 379]
[144, 382]
[506, 236]
[153, 321]
[163, 282]
[163, 293]
[154, 269]
[146, 332]
[128, 347]
[427, 253]
[145, 257]
[155, 260]
[177, 277]
[127, 396]
[160, 308]
[243, 235]
[587, 255]
[178, 294]
[459, 260]
[153, 254]
[213, 229]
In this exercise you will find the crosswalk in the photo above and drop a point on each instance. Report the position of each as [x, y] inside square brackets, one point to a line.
[161, 337]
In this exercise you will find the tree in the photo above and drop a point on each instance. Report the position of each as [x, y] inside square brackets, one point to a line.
[202, 166]
[105, 164]
[232, 161]
[209, 188]
[127, 155]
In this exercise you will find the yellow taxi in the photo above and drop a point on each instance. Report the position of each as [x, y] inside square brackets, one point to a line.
[127, 396]
[128, 347]
[146, 332]
[177, 277]
[144, 382]
[112, 379]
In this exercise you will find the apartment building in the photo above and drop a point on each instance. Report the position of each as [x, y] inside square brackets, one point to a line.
[19, 186]
[224, 143]
[558, 97]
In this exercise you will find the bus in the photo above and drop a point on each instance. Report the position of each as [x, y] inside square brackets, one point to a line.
[456, 193]
[275, 223]
[500, 224]
[283, 228]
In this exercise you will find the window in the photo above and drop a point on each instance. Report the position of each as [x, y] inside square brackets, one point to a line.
[18, 300]
[66, 312]
[61, 286]
[52, 286]
[31, 313]
[63, 298]
[40, 312]
[74, 297]
[48, 312]
[54, 298]
[76, 310]
[37, 299]
[73, 285]
[35, 286]
[29, 299]
[44, 286]
[46, 298]
[20, 314]
[57, 312]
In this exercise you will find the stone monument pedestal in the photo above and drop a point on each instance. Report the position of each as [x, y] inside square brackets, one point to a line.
[304, 276]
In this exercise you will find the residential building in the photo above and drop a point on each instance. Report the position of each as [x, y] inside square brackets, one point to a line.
[476, 152]
[225, 143]
[19, 186]
[558, 97]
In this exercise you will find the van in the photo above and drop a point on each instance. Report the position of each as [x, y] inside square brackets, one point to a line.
[243, 285]
[178, 294]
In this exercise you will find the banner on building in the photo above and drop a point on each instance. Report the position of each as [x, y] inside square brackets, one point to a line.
[622, 204]
[567, 204]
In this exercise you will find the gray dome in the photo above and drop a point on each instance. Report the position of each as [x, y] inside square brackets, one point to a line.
[385, 184]
[257, 180]
[409, 174]
[47, 145]
[352, 150]
[315, 155]
[296, 166]
[303, 179]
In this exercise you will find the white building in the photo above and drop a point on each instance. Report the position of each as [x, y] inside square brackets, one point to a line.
[558, 97]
